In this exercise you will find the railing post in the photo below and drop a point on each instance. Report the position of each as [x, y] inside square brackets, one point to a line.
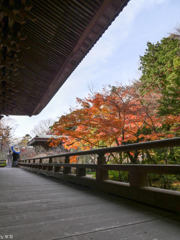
[66, 170]
[80, 172]
[101, 175]
[138, 179]
[32, 163]
[40, 161]
[43, 167]
[56, 169]
[27, 163]
[50, 168]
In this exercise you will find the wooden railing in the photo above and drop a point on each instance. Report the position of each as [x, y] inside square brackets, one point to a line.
[138, 187]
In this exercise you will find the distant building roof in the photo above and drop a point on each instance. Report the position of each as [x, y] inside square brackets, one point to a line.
[38, 139]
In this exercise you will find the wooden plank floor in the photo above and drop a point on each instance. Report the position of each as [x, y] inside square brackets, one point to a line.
[36, 207]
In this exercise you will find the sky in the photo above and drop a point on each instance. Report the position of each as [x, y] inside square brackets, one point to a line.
[113, 59]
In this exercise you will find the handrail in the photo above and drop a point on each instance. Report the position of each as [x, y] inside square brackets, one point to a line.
[138, 187]
[171, 142]
[146, 168]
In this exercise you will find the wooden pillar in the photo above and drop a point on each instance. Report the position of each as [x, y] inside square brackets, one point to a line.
[101, 175]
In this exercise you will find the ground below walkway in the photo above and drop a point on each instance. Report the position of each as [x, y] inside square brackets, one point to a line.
[34, 207]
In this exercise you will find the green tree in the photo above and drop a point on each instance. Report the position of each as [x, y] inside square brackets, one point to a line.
[160, 68]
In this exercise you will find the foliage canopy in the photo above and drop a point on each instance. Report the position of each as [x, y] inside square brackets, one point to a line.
[160, 68]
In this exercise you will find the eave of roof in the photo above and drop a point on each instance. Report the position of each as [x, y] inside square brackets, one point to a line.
[50, 39]
[36, 140]
[42, 138]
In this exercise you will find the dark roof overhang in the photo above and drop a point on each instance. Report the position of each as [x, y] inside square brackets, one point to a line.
[41, 139]
[42, 42]
[37, 140]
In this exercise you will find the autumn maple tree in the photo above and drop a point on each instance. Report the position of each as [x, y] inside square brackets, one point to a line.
[117, 115]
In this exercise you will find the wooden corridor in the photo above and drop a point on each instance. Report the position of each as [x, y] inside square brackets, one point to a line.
[35, 207]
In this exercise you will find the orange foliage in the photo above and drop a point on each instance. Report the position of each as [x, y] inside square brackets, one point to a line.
[73, 159]
[110, 118]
